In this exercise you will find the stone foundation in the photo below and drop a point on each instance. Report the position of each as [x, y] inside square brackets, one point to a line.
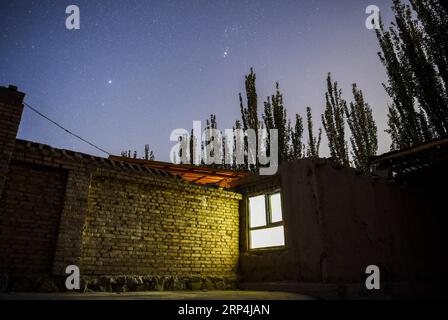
[128, 283]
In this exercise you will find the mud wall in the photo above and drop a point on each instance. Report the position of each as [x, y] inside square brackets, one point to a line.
[338, 221]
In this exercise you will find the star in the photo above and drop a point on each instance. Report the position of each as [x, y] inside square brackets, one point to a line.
[226, 52]
[109, 82]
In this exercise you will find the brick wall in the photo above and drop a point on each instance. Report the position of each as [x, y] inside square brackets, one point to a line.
[113, 220]
[11, 108]
[29, 218]
[148, 226]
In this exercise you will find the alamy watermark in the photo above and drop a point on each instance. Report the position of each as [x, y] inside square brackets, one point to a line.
[73, 21]
[373, 20]
[249, 147]
[73, 280]
[373, 280]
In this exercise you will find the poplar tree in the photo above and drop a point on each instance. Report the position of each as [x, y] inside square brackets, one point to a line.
[275, 118]
[363, 140]
[249, 112]
[333, 121]
[297, 149]
[414, 52]
[211, 124]
[146, 151]
[313, 142]
[236, 150]
[148, 154]
[433, 16]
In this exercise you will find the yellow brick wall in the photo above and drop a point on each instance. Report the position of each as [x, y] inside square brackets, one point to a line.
[154, 226]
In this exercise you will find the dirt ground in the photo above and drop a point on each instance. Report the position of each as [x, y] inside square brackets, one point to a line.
[160, 295]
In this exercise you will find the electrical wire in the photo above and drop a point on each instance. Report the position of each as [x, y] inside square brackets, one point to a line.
[66, 130]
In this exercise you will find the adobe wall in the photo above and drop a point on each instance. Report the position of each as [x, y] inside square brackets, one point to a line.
[337, 222]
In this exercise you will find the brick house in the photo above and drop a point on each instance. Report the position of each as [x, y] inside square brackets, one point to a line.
[146, 225]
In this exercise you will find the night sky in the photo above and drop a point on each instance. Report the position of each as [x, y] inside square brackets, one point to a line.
[136, 70]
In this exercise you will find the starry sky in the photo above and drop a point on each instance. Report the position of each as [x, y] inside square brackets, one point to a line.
[136, 70]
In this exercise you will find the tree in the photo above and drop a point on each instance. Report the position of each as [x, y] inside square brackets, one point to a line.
[395, 128]
[297, 149]
[146, 151]
[249, 113]
[212, 124]
[275, 118]
[414, 52]
[403, 115]
[148, 154]
[364, 140]
[333, 121]
[313, 143]
[238, 148]
[433, 15]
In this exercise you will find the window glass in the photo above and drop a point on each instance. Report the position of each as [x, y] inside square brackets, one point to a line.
[257, 211]
[269, 237]
[276, 208]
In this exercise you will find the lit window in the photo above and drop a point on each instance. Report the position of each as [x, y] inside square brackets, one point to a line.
[257, 209]
[266, 221]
